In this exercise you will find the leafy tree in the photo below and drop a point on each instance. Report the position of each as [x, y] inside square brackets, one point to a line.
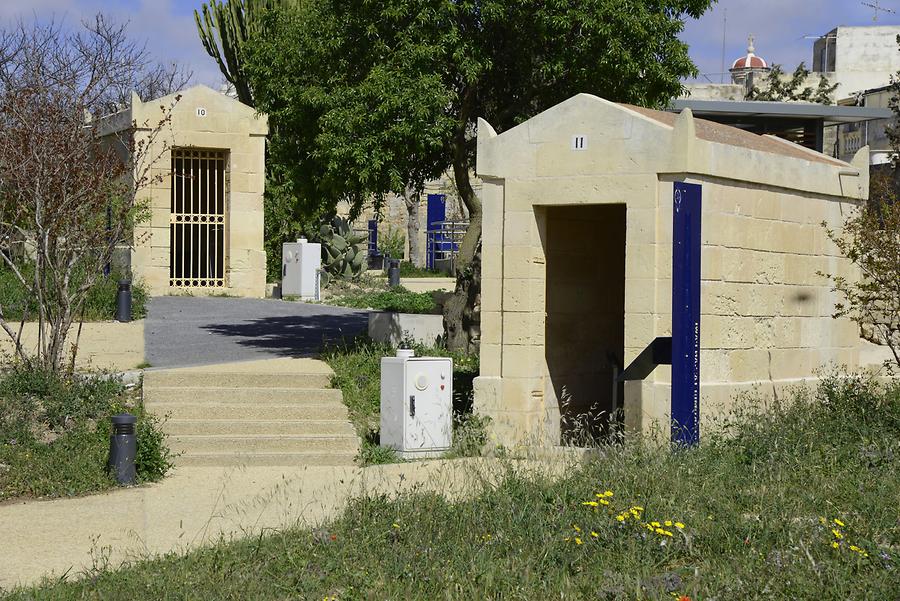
[371, 97]
[779, 88]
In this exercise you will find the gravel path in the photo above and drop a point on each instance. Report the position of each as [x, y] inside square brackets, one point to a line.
[181, 331]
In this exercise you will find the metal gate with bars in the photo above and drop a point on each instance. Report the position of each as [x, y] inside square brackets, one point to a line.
[197, 246]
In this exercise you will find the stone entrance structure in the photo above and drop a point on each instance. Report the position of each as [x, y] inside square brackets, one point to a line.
[577, 264]
[205, 232]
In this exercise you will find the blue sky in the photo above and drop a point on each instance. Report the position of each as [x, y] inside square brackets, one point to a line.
[778, 25]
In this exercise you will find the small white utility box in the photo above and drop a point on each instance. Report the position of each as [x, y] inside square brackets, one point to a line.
[300, 264]
[416, 404]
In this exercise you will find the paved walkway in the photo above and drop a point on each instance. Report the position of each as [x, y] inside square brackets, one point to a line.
[199, 505]
[181, 331]
[103, 344]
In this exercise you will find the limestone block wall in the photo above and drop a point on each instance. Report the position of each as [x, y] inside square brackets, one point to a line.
[766, 315]
[202, 119]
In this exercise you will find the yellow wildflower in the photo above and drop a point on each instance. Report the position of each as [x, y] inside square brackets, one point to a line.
[648, 527]
[822, 521]
[635, 512]
[576, 528]
[679, 525]
[594, 534]
[663, 532]
[835, 545]
[608, 493]
[578, 541]
[837, 533]
[604, 502]
[591, 503]
[621, 518]
[838, 522]
[668, 522]
[655, 524]
[395, 525]
[638, 508]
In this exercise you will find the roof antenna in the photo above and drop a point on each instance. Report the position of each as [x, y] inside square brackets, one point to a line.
[878, 8]
[724, 29]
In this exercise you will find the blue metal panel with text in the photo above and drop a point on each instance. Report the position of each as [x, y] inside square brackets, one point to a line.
[686, 244]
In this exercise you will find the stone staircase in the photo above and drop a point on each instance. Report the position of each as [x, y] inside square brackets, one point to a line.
[275, 412]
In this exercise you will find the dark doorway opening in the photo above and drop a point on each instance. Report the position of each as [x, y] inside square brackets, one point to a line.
[585, 326]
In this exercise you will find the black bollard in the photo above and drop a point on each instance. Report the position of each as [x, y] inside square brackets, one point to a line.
[123, 301]
[123, 448]
[394, 273]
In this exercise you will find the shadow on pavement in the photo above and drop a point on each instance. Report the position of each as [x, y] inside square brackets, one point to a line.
[294, 335]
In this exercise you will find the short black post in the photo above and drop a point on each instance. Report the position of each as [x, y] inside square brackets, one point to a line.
[123, 448]
[123, 301]
[394, 273]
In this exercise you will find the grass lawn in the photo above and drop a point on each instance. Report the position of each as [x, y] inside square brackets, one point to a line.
[54, 435]
[800, 502]
[357, 372]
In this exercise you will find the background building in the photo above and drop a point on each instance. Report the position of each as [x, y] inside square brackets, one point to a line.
[857, 58]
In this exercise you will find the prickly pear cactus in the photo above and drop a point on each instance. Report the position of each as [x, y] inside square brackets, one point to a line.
[343, 255]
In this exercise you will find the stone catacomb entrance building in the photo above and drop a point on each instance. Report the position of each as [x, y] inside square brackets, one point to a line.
[577, 263]
[205, 231]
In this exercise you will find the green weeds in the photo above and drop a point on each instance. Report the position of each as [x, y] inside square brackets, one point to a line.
[54, 434]
[750, 514]
[398, 299]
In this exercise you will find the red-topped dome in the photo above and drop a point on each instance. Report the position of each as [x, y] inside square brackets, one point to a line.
[750, 61]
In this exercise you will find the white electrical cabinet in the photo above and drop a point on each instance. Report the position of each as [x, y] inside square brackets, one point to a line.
[416, 404]
[300, 264]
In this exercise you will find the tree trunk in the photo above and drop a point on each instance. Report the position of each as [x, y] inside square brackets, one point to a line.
[462, 311]
[412, 198]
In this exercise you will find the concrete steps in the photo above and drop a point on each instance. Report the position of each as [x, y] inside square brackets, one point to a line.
[240, 394]
[227, 459]
[247, 411]
[260, 413]
[259, 427]
[210, 443]
[202, 379]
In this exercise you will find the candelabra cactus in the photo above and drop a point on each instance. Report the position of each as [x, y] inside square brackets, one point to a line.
[343, 255]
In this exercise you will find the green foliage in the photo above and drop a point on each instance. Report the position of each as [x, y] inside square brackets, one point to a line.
[99, 304]
[780, 89]
[366, 98]
[224, 29]
[357, 373]
[870, 238]
[392, 244]
[399, 300]
[408, 270]
[54, 434]
[153, 459]
[343, 256]
[757, 504]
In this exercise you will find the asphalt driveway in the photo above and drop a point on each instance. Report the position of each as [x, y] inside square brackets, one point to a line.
[182, 331]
